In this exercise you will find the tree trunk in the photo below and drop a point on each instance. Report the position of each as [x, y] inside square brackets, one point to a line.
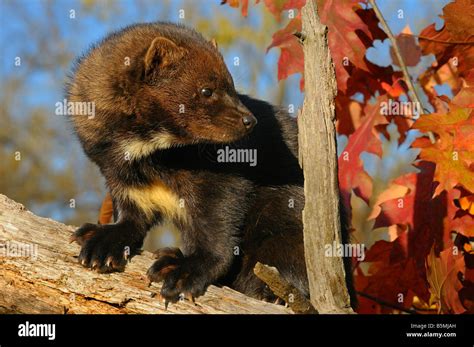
[318, 158]
[39, 273]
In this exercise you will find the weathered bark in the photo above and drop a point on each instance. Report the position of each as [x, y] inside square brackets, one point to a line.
[318, 158]
[283, 289]
[50, 280]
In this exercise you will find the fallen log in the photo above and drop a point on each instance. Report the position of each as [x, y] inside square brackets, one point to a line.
[39, 273]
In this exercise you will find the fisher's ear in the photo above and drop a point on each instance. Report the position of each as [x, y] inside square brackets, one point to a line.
[214, 43]
[161, 54]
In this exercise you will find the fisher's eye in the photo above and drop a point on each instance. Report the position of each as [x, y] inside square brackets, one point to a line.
[207, 92]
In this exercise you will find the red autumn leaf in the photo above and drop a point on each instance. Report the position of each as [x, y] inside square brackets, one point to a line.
[465, 98]
[446, 74]
[351, 31]
[354, 73]
[367, 79]
[349, 114]
[409, 49]
[453, 152]
[277, 6]
[402, 210]
[368, 83]
[368, 306]
[351, 172]
[404, 258]
[394, 90]
[455, 40]
[348, 111]
[344, 44]
[429, 219]
[466, 203]
[395, 282]
[437, 217]
[424, 216]
[364, 304]
[238, 3]
[380, 251]
[442, 275]
[459, 18]
[394, 191]
[441, 44]
[291, 59]
[459, 218]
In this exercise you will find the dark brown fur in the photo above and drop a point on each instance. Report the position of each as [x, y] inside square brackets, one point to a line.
[162, 164]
